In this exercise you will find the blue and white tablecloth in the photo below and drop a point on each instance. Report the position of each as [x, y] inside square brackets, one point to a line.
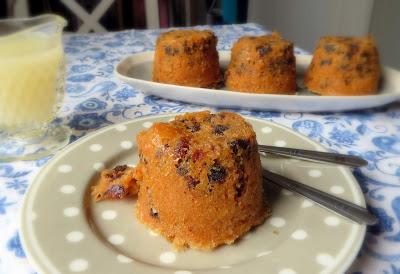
[95, 98]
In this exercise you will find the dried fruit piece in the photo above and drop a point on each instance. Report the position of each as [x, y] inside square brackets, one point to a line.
[182, 170]
[181, 148]
[116, 183]
[197, 155]
[240, 144]
[219, 129]
[329, 48]
[325, 62]
[216, 173]
[263, 50]
[116, 192]
[191, 182]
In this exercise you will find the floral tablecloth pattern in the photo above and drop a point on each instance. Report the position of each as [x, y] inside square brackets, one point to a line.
[94, 98]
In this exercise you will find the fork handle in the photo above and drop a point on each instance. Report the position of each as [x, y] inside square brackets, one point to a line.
[319, 156]
[338, 205]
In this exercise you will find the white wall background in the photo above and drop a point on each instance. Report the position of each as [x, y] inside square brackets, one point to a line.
[385, 26]
[305, 21]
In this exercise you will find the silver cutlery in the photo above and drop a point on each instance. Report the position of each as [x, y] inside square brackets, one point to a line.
[318, 156]
[338, 205]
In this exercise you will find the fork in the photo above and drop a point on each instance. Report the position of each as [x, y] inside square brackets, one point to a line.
[318, 156]
[337, 205]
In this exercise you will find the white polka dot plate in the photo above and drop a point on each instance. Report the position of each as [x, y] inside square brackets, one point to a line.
[64, 231]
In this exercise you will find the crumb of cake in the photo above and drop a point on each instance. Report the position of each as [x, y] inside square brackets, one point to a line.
[115, 184]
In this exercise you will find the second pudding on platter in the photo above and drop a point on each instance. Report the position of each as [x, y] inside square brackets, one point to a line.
[262, 64]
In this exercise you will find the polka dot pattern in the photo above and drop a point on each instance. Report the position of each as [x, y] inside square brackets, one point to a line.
[64, 168]
[123, 259]
[67, 189]
[325, 259]
[167, 257]
[98, 166]
[95, 147]
[337, 189]
[266, 130]
[315, 173]
[74, 236]
[71, 211]
[78, 265]
[287, 271]
[147, 124]
[307, 203]
[126, 144]
[280, 143]
[332, 221]
[109, 215]
[277, 221]
[116, 239]
[120, 127]
[264, 253]
[299, 234]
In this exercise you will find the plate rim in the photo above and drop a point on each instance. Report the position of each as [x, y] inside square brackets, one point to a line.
[22, 215]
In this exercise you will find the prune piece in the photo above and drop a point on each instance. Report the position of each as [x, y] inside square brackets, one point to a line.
[193, 127]
[360, 68]
[141, 157]
[116, 191]
[329, 48]
[181, 148]
[153, 212]
[263, 50]
[190, 49]
[352, 50]
[344, 66]
[279, 65]
[120, 168]
[197, 155]
[182, 170]
[365, 55]
[219, 129]
[170, 50]
[216, 173]
[290, 61]
[191, 182]
[117, 172]
[239, 144]
[325, 62]
[347, 81]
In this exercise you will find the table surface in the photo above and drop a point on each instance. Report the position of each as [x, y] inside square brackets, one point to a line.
[94, 98]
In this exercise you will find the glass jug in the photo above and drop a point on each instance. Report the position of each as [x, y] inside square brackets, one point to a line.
[32, 70]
